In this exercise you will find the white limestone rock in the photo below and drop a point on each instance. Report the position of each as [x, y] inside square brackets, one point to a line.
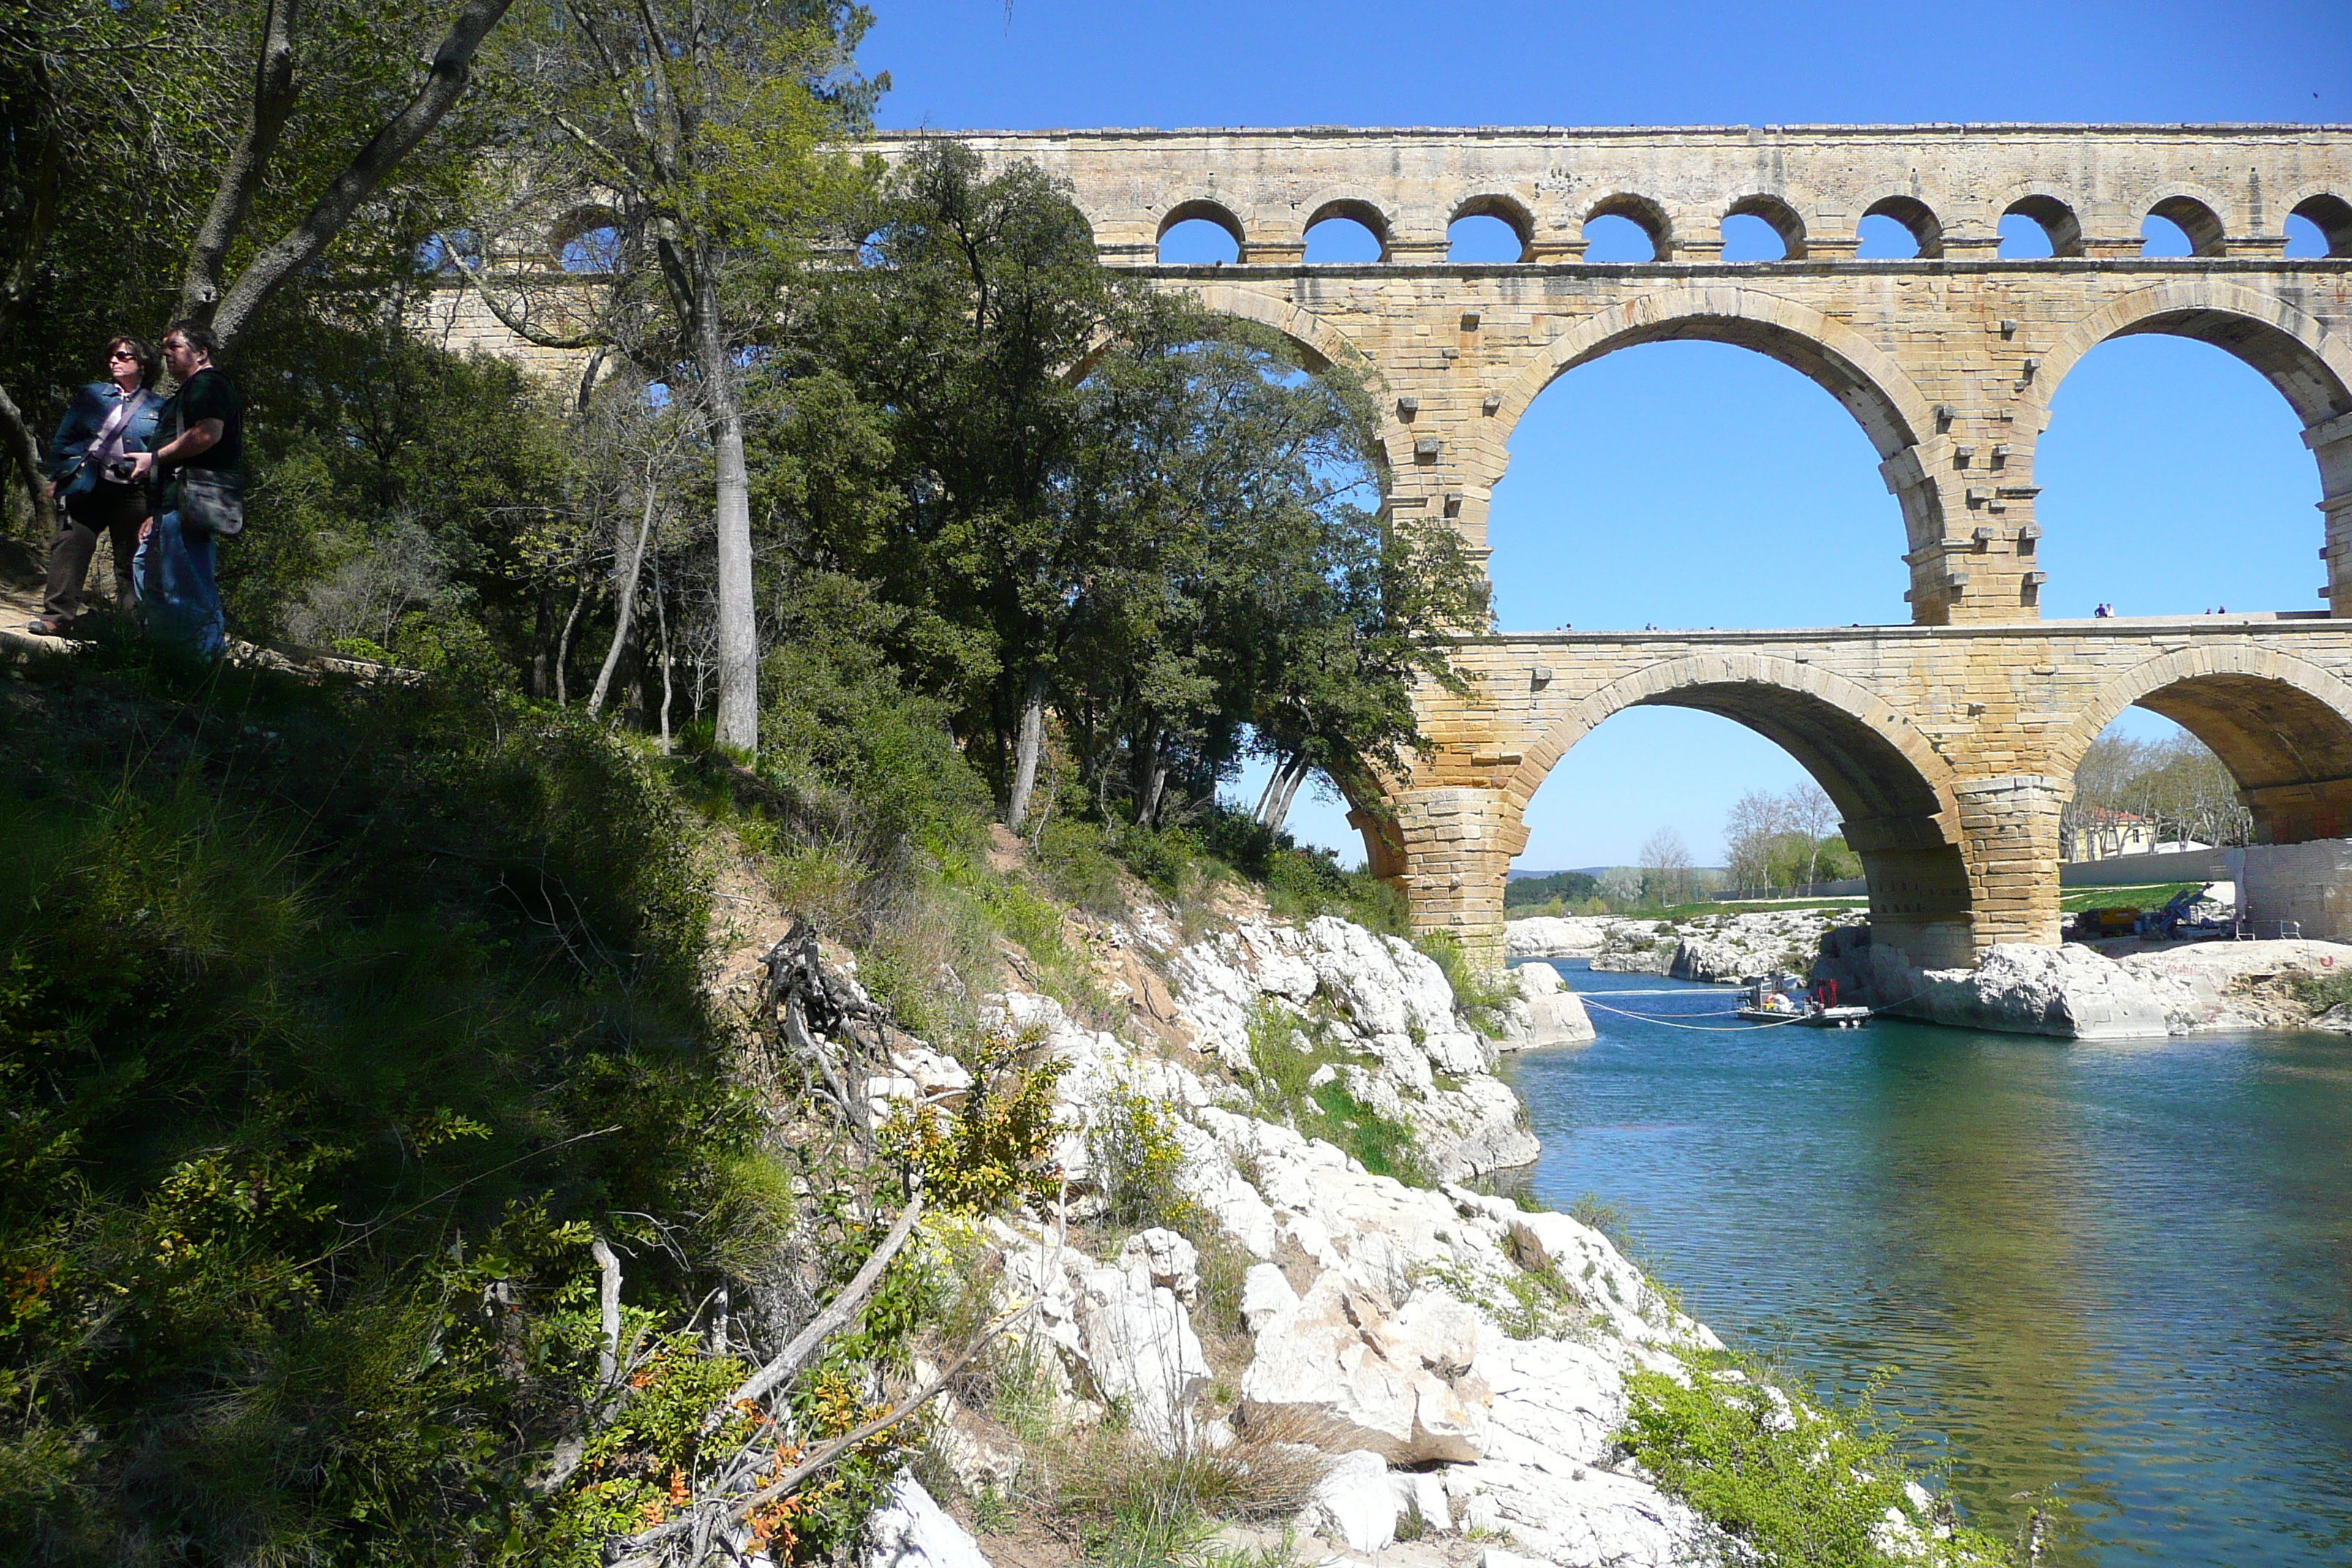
[1556, 936]
[1399, 1385]
[1542, 1010]
[2069, 992]
[910, 1531]
[1355, 1503]
[1169, 1259]
[1265, 1294]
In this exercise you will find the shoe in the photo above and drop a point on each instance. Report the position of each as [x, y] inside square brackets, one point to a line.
[43, 627]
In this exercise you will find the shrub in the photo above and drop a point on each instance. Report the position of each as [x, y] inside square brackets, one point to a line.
[1793, 1484]
[997, 1149]
[1078, 867]
[1481, 993]
[1135, 1156]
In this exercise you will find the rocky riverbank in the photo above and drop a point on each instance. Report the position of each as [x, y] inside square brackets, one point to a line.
[2072, 992]
[1437, 1375]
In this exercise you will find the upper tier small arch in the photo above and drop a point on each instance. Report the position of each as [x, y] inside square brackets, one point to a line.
[1205, 210]
[2331, 215]
[1926, 230]
[1351, 209]
[2196, 218]
[2054, 218]
[1643, 214]
[1509, 210]
[1781, 218]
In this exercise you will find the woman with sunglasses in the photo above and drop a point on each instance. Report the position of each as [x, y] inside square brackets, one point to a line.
[96, 484]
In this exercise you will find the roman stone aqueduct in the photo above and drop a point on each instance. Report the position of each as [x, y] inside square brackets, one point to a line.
[1949, 743]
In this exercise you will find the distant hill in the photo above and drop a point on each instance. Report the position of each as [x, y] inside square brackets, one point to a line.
[1571, 886]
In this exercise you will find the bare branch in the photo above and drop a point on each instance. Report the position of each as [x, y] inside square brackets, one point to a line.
[273, 91]
[508, 317]
[836, 1316]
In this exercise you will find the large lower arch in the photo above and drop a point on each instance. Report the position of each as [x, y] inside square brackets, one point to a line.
[1903, 809]
[2310, 366]
[2282, 725]
[1863, 379]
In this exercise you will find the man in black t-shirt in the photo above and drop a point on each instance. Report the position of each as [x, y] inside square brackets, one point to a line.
[201, 426]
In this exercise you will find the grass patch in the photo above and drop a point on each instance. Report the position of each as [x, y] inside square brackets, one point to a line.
[2150, 896]
[1280, 1076]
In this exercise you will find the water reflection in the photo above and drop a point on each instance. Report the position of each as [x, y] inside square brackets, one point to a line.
[2120, 1273]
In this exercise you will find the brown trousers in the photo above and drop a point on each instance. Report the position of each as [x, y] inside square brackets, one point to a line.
[120, 514]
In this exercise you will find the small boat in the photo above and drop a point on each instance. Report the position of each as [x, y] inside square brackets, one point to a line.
[1770, 1003]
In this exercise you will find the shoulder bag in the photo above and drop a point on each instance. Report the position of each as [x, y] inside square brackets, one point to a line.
[212, 500]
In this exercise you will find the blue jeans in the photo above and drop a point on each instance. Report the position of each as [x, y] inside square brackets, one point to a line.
[172, 573]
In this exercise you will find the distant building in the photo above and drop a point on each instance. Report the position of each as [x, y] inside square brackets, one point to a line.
[2103, 835]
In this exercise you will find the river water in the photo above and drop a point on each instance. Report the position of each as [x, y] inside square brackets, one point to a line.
[2119, 1275]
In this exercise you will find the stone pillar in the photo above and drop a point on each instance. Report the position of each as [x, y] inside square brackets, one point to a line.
[1919, 895]
[2330, 441]
[1452, 852]
[2008, 839]
[2296, 813]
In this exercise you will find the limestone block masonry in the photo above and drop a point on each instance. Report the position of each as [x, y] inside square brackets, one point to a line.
[1950, 744]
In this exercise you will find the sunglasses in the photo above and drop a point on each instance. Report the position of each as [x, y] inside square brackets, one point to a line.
[121, 353]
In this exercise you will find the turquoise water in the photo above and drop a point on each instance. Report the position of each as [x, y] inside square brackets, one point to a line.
[2120, 1275]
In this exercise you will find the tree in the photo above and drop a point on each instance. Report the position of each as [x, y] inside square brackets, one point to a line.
[1758, 822]
[699, 130]
[978, 295]
[1665, 868]
[1814, 817]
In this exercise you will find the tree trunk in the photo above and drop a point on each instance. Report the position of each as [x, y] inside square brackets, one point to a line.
[1157, 793]
[661, 620]
[1033, 737]
[248, 164]
[625, 615]
[24, 452]
[563, 643]
[739, 641]
[274, 92]
[1273, 809]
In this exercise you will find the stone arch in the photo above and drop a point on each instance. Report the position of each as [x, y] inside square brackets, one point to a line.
[2053, 214]
[2198, 215]
[1509, 210]
[1207, 211]
[1357, 209]
[1849, 366]
[1862, 748]
[2331, 215]
[1898, 799]
[1322, 344]
[1925, 229]
[578, 222]
[1781, 215]
[2311, 366]
[2281, 724]
[1644, 214]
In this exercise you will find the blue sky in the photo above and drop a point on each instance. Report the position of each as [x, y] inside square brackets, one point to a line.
[1695, 484]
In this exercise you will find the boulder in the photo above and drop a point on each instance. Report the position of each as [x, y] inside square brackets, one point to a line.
[1170, 1260]
[910, 1531]
[2069, 992]
[1355, 1503]
[1140, 1351]
[1543, 1012]
[1265, 1294]
[1397, 1384]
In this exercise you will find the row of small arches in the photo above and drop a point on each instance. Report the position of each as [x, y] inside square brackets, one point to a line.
[1631, 229]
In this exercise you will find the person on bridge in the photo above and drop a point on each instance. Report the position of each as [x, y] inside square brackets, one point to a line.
[204, 426]
[90, 481]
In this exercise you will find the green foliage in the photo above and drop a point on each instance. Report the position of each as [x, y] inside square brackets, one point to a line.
[1133, 1152]
[1480, 993]
[838, 713]
[1567, 887]
[997, 1149]
[1793, 1484]
[334, 1011]
[1078, 867]
[1280, 1072]
[1526, 1303]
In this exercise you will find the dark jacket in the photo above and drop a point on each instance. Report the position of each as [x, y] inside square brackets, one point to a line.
[84, 418]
